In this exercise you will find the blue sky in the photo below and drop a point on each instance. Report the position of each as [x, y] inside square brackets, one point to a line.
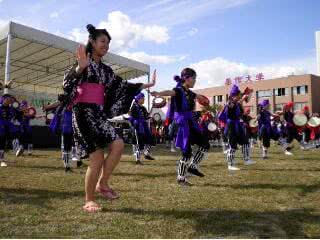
[219, 38]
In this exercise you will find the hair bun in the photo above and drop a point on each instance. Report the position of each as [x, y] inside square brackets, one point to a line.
[177, 78]
[91, 29]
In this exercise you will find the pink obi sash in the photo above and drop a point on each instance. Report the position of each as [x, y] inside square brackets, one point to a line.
[90, 93]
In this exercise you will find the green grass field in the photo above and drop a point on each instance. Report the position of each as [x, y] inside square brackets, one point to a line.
[275, 198]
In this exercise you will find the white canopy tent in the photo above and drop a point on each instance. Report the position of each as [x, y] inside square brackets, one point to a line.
[36, 61]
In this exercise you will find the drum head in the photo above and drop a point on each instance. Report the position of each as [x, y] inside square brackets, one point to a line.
[300, 120]
[50, 116]
[159, 102]
[157, 117]
[212, 127]
[314, 122]
[253, 123]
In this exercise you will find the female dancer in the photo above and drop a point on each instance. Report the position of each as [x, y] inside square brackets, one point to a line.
[90, 85]
[182, 106]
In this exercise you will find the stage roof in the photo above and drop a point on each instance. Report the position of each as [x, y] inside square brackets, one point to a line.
[39, 59]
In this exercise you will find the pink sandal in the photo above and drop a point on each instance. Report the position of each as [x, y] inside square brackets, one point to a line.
[92, 207]
[107, 193]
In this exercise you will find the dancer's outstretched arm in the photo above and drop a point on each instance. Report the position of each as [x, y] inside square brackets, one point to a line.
[51, 106]
[153, 82]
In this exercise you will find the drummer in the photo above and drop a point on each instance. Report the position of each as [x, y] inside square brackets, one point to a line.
[143, 139]
[25, 130]
[266, 131]
[306, 131]
[182, 110]
[251, 131]
[313, 131]
[291, 130]
[234, 130]
[222, 123]
[206, 119]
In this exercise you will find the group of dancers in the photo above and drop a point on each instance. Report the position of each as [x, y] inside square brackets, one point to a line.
[15, 129]
[93, 96]
[280, 127]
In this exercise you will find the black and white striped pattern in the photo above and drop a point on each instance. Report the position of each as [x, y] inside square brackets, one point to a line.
[66, 159]
[147, 149]
[283, 143]
[198, 157]
[252, 142]
[231, 157]
[264, 152]
[15, 144]
[182, 168]
[246, 152]
[225, 147]
[136, 151]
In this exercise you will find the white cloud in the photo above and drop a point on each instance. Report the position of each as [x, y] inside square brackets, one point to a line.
[54, 15]
[125, 33]
[213, 72]
[152, 59]
[78, 35]
[177, 12]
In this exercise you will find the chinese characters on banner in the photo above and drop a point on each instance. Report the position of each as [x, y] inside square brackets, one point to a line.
[243, 79]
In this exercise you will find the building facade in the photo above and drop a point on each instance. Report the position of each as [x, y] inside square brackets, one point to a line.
[302, 90]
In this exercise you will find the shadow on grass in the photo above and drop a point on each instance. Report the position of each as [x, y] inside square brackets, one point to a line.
[304, 189]
[217, 223]
[36, 197]
[148, 175]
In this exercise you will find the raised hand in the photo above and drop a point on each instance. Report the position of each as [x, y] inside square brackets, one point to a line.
[154, 77]
[82, 58]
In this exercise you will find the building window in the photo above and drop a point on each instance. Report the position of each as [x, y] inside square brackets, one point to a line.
[279, 107]
[281, 92]
[298, 106]
[300, 90]
[264, 93]
[218, 99]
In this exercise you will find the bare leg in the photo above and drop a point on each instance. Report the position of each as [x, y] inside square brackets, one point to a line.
[112, 160]
[96, 162]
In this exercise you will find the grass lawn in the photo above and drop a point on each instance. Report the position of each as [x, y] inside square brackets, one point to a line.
[275, 198]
